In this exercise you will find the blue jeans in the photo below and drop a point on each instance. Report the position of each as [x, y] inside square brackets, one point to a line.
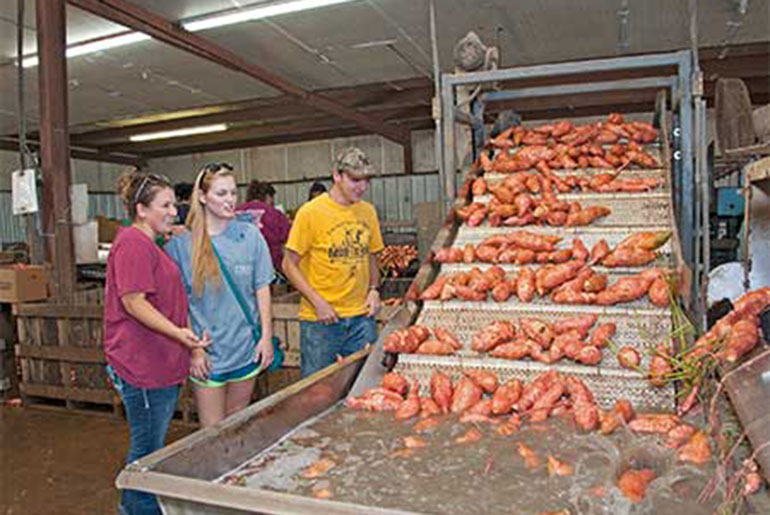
[149, 412]
[320, 343]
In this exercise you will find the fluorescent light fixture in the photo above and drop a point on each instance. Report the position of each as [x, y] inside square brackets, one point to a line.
[256, 13]
[94, 46]
[203, 129]
[203, 23]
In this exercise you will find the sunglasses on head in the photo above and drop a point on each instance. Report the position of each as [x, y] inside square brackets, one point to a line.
[155, 177]
[213, 168]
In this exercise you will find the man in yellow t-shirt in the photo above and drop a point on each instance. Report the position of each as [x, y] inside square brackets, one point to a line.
[331, 259]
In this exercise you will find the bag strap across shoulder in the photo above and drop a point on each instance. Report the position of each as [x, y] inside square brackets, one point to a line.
[237, 293]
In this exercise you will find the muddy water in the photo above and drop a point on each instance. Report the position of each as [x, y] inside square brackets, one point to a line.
[487, 476]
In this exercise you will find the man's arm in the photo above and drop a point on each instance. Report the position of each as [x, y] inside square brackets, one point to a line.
[324, 311]
[373, 301]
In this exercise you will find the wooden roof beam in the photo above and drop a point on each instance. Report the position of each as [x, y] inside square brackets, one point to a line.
[137, 18]
[290, 126]
[281, 108]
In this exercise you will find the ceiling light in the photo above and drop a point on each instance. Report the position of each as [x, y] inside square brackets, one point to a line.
[265, 11]
[203, 129]
[94, 46]
[202, 23]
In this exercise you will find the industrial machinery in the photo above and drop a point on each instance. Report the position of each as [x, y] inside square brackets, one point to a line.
[195, 475]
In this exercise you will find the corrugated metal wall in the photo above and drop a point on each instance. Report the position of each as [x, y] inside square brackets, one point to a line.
[394, 198]
[291, 168]
[12, 228]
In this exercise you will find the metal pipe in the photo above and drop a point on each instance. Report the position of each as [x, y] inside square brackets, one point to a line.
[698, 272]
[747, 221]
[448, 110]
[692, 7]
[701, 175]
[586, 87]
[575, 67]
[437, 108]
[686, 123]
[705, 208]
[20, 84]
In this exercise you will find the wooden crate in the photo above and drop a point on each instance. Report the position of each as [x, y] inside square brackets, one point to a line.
[60, 348]
[7, 361]
[62, 355]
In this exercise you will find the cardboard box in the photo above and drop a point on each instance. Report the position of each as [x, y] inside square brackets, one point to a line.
[23, 284]
[108, 229]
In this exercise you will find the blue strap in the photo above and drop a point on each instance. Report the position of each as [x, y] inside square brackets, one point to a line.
[256, 328]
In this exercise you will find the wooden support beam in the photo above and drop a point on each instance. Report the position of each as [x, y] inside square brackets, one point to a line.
[408, 165]
[274, 139]
[137, 18]
[54, 145]
[264, 111]
[297, 125]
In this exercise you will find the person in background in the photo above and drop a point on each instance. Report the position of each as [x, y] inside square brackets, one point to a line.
[331, 259]
[147, 342]
[315, 189]
[183, 190]
[227, 272]
[260, 203]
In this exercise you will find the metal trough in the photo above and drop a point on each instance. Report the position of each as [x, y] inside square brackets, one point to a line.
[182, 474]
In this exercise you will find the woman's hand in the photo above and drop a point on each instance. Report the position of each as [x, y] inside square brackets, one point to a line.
[264, 352]
[200, 364]
[189, 339]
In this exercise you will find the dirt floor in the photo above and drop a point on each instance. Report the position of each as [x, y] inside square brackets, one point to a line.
[62, 463]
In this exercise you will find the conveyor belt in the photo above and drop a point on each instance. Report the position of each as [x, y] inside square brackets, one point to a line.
[590, 235]
[639, 328]
[629, 210]
[607, 384]
[639, 324]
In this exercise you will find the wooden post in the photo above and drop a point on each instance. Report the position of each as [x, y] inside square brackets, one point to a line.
[54, 145]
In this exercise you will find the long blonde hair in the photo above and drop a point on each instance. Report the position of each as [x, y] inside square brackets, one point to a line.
[205, 266]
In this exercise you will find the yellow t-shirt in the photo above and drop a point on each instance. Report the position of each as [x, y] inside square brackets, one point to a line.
[334, 242]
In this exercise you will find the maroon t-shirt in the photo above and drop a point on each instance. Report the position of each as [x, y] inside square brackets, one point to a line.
[143, 357]
[274, 226]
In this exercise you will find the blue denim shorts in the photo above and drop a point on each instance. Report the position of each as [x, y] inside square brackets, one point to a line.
[321, 343]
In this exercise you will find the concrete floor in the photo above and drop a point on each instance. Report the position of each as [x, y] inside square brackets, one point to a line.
[54, 462]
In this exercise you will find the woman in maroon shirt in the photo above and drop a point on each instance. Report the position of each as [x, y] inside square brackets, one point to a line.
[260, 203]
[146, 339]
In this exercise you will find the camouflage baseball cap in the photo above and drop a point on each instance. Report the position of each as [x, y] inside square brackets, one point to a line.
[353, 161]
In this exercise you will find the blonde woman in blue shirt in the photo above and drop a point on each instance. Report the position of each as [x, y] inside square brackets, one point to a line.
[227, 270]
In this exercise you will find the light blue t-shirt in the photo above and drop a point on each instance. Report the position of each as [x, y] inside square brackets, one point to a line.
[247, 257]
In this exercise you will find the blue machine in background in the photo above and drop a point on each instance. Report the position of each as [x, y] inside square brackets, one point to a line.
[725, 225]
[730, 202]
